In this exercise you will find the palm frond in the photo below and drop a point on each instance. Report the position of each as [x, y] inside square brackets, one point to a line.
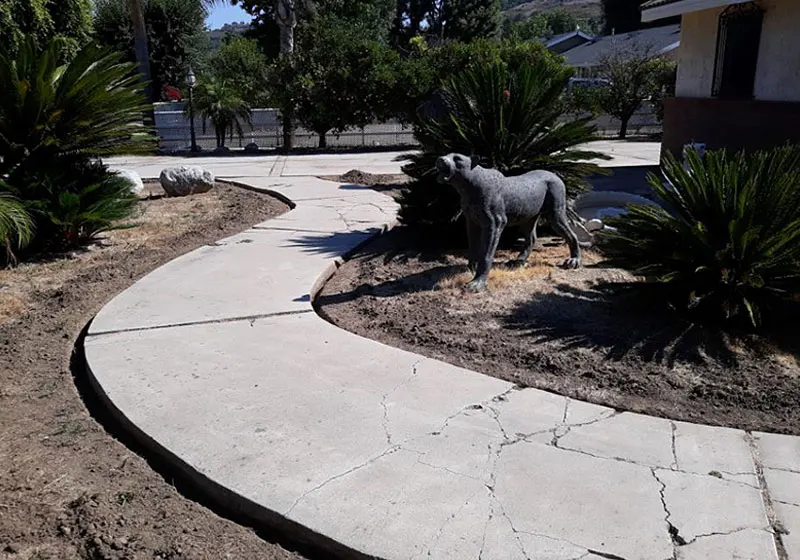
[725, 240]
[511, 115]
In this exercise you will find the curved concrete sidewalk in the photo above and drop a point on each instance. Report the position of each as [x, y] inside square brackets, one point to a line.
[219, 363]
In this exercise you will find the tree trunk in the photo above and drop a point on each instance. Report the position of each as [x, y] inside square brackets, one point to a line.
[323, 139]
[623, 127]
[286, 18]
[288, 130]
[140, 44]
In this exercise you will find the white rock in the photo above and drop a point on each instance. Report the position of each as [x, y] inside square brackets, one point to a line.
[186, 179]
[133, 178]
[594, 224]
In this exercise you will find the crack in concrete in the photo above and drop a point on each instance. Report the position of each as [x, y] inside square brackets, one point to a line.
[772, 516]
[385, 405]
[495, 500]
[784, 469]
[722, 534]
[485, 530]
[447, 521]
[785, 503]
[490, 486]
[672, 530]
[674, 428]
[556, 443]
[349, 471]
[602, 554]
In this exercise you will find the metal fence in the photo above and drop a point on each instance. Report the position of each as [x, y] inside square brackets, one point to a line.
[265, 131]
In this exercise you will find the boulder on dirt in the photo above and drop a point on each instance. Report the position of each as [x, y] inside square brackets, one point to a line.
[184, 180]
[133, 179]
[251, 148]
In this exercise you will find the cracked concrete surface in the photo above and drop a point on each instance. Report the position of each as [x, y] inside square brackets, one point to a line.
[218, 358]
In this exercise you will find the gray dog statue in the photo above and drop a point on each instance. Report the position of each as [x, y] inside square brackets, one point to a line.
[490, 201]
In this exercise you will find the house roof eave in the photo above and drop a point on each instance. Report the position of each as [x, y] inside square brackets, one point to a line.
[659, 9]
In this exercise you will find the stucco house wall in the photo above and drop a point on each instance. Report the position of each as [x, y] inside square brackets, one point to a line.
[778, 67]
[778, 70]
[696, 53]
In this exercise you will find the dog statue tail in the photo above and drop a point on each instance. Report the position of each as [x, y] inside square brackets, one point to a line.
[577, 224]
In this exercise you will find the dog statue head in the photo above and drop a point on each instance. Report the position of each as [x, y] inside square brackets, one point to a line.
[455, 166]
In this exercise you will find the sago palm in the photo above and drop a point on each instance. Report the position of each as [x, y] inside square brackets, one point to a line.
[16, 226]
[726, 241]
[219, 102]
[90, 107]
[511, 115]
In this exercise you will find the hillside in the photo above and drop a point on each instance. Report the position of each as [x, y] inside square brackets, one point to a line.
[583, 9]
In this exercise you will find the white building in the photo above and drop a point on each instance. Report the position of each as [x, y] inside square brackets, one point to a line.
[738, 82]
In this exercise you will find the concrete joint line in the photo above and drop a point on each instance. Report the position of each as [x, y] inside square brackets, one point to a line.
[251, 318]
[776, 526]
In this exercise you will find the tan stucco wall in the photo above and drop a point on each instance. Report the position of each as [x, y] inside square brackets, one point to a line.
[778, 72]
[696, 53]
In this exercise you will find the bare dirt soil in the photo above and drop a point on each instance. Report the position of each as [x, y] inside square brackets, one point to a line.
[554, 329]
[387, 183]
[69, 489]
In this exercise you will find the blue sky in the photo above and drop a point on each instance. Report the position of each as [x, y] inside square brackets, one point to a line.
[225, 13]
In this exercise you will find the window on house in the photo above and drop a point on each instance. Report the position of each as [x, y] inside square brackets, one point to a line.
[738, 38]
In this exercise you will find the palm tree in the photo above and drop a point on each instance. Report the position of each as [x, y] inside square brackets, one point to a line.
[140, 44]
[220, 103]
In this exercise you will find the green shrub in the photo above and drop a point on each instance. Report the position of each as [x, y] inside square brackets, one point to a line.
[50, 113]
[55, 120]
[75, 207]
[507, 108]
[726, 243]
[16, 225]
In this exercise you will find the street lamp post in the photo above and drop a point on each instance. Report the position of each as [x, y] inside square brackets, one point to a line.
[191, 81]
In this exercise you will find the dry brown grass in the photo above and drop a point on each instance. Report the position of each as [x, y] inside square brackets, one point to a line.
[541, 270]
[159, 220]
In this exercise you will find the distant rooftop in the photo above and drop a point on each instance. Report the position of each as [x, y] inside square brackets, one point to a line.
[659, 39]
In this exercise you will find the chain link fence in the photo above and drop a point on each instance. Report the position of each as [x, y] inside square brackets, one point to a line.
[266, 132]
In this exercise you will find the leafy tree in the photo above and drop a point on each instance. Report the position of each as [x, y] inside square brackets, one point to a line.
[41, 20]
[336, 79]
[368, 18]
[507, 111]
[240, 63]
[175, 33]
[543, 25]
[724, 246]
[54, 120]
[439, 20]
[531, 29]
[631, 77]
[467, 20]
[222, 104]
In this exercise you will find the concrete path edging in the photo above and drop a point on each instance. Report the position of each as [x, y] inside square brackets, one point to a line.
[218, 363]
